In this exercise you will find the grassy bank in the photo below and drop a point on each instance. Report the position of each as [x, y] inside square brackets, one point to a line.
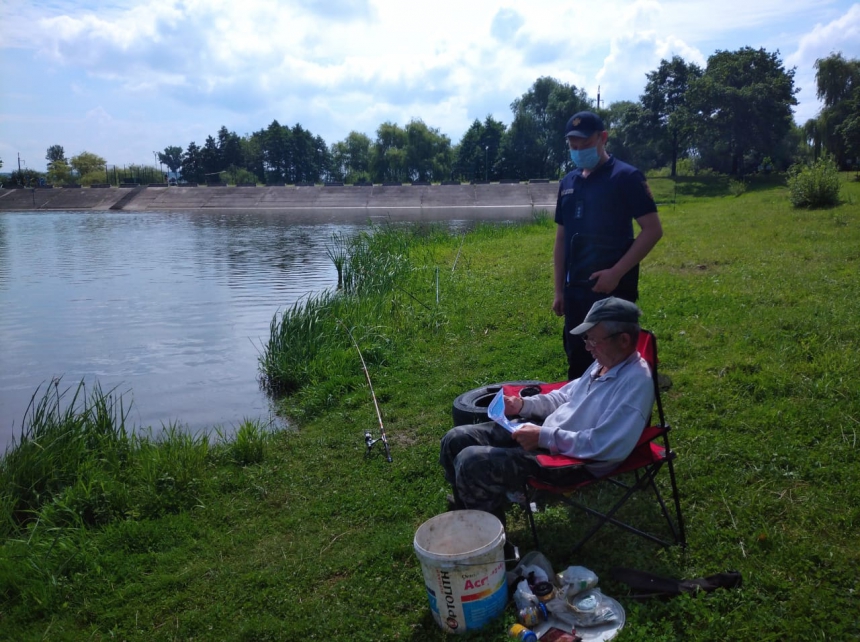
[755, 305]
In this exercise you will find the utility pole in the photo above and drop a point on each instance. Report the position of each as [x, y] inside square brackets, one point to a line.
[598, 96]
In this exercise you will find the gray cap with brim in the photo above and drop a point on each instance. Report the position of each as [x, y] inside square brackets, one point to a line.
[609, 309]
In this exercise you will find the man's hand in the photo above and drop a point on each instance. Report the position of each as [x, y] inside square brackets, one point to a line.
[558, 305]
[527, 436]
[607, 281]
[513, 405]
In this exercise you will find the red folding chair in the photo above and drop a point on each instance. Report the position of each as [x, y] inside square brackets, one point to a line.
[648, 458]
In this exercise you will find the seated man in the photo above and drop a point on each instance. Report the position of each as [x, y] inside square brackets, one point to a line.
[598, 417]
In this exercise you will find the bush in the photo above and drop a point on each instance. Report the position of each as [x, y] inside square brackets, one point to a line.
[737, 187]
[235, 175]
[95, 177]
[813, 186]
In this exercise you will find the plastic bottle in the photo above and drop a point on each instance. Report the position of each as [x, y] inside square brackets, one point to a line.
[522, 634]
[544, 591]
[529, 616]
[530, 611]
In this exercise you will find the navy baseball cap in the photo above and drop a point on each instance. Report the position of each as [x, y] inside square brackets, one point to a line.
[584, 124]
[609, 309]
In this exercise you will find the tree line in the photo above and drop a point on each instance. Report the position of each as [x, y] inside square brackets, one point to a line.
[734, 116]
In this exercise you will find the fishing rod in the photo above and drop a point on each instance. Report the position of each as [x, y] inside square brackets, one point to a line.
[369, 441]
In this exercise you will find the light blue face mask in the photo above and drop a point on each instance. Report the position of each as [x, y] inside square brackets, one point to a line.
[585, 158]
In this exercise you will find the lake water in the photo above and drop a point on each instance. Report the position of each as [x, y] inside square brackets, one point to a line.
[168, 309]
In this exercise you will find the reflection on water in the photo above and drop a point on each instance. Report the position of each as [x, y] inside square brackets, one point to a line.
[170, 309]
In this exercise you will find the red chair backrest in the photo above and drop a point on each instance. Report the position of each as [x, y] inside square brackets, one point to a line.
[647, 348]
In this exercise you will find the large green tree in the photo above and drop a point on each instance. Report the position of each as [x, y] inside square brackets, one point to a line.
[26, 177]
[849, 131]
[478, 151]
[59, 172]
[55, 153]
[299, 161]
[307, 160]
[210, 161]
[229, 149]
[429, 156]
[192, 164]
[172, 157]
[252, 153]
[281, 153]
[388, 154]
[351, 158]
[837, 127]
[665, 101]
[521, 155]
[276, 149]
[632, 136]
[534, 145]
[90, 167]
[742, 105]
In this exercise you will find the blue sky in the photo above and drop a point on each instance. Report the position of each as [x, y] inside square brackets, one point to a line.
[124, 78]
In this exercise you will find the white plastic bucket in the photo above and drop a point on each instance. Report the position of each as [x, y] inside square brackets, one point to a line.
[463, 560]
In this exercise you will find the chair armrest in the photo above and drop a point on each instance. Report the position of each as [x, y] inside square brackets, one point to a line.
[649, 434]
[560, 461]
[539, 388]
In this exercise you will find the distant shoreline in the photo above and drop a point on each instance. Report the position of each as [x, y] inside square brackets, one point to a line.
[318, 202]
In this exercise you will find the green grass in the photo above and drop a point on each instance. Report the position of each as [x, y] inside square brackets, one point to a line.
[297, 535]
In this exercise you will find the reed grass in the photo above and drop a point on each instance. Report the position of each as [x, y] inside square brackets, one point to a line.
[248, 445]
[78, 466]
[306, 346]
[336, 250]
[67, 458]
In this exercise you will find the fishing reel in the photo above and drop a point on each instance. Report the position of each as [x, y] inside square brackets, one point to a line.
[369, 441]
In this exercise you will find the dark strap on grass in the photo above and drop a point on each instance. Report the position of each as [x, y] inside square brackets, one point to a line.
[648, 585]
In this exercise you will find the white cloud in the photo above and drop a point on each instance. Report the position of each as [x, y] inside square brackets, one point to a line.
[505, 24]
[179, 69]
[99, 116]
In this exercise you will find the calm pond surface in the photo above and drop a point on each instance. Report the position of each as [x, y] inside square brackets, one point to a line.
[169, 309]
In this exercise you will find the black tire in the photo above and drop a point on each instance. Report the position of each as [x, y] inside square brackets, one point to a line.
[471, 407]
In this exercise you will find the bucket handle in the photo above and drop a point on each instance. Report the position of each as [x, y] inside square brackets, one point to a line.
[457, 564]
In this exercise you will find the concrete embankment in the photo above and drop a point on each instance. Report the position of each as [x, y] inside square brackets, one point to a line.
[398, 202]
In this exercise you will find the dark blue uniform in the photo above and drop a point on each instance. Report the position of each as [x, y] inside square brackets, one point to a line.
[597, 213]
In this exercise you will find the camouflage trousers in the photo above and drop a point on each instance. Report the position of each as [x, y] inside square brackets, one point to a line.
[486, 467]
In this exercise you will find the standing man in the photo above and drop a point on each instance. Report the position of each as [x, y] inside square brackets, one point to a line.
[595, 253]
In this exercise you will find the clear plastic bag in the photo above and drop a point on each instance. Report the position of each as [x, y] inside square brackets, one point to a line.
[576, 579]
[534, 567]
[590, 608]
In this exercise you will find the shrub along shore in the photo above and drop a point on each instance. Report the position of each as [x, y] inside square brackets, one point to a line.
[113, 533]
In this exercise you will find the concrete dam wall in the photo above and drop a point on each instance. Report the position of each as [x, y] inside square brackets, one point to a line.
[317, 202]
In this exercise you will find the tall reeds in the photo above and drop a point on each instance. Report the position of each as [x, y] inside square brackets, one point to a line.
[305, 344]
[77, 463]
[64, 444]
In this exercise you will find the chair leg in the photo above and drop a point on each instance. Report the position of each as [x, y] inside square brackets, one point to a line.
[642, 482]
[682, 535]
[527, 507]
